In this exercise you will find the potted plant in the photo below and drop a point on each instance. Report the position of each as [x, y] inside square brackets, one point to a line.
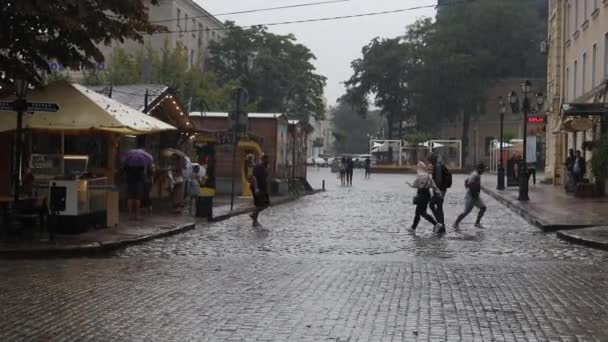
[589, 145]
[599, 163]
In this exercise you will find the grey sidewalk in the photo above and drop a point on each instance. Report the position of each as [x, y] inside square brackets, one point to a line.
[100, 241]
[582, 220]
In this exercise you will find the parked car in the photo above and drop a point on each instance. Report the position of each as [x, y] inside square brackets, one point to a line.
[320, 162]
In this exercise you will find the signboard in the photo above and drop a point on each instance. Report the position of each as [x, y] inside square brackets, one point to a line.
[537, 119]
[31, 107]
[578, 124]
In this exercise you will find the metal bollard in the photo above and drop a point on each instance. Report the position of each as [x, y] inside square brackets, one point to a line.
[324, 185]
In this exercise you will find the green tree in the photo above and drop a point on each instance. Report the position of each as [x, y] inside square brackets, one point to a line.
[34, 32]
[383, 73]
[351, 130]
[470, 46]
[170, 67]
[277, 71]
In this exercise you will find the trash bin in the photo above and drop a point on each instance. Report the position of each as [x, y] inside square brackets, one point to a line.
[204, 207]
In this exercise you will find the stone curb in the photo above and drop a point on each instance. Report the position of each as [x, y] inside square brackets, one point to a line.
[88, 250]
[574, 238]
[248, 210]
[519, 210]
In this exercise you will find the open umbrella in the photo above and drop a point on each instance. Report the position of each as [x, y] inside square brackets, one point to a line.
[137, 157]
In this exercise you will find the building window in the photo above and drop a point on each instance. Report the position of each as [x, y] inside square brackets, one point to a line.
[567, 83]
[584, 74]
[585, 8]
[193, 28]
[593, 65]
[568, 28]
[186, 20]
[179, 18]
[606, 56]
[576, 15]
[200, 35]
[574, 79]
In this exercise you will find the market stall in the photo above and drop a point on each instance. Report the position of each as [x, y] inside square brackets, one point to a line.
[77, 150]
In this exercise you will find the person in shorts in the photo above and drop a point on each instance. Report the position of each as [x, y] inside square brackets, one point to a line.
[473, 198]
[135, 189]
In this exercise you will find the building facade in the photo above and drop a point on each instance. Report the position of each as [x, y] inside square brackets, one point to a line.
[188, 25]
[486, 127]
[577, 70]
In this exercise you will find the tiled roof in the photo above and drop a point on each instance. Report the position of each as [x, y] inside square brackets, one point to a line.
[133, 95]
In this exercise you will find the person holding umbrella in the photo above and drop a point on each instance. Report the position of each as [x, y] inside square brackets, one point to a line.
[135, 163]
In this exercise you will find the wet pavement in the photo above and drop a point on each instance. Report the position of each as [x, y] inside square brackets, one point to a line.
[336, 266]
[370, 219]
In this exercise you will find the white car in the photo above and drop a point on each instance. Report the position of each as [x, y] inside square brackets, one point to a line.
[320, 162]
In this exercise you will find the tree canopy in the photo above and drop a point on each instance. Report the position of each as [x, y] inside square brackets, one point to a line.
[170, 67]
[351, 131]
[444, 66]
[34, 32]
[275, 69]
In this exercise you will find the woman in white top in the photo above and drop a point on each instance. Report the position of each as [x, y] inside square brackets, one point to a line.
[424, 183]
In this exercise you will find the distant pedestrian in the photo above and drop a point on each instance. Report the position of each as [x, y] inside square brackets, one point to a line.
[195, 181]
[342, 170]
[350, 167]
[443, 179]
[259, 188]
[424, 183]
[570, 182]
[368, 168]
[579, 169]
[472, 198]
[146, 201]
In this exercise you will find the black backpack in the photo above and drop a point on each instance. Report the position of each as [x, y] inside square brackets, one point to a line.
[446, 177]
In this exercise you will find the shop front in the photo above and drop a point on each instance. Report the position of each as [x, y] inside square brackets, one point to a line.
[76, 150]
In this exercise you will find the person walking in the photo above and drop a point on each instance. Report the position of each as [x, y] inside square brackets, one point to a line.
[472, 198]
[350, 166]
[443, 179]
[579, 169]
[368, 168]
[424, 183]
[195, 180]
[259, 188]
[342, 170]
[570, 182]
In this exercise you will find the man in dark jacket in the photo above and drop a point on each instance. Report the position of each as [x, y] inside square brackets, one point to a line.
[436, 204]
[259, 188]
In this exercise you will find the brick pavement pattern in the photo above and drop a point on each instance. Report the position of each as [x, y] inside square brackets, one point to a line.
[285, 299]
[340, 266]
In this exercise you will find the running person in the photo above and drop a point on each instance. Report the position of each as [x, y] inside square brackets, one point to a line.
[472, 198]
[443, 180]
[424, 183]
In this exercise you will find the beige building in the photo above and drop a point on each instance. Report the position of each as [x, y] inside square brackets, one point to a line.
[577, 69]
[189, 25]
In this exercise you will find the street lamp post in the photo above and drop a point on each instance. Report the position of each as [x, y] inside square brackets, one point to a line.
[523, 166]
[502, 109]
[20, 107]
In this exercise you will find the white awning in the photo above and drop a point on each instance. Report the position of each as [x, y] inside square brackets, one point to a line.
[83, 109]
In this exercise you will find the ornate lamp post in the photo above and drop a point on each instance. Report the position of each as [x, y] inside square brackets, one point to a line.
[21, 105]
[523, 166]
[502, 109]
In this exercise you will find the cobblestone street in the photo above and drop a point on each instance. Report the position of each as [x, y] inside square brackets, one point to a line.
[336, 266]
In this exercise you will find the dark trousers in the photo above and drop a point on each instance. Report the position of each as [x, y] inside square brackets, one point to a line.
[436, 206]
[423, 203]
[349, 177]
[261, 201]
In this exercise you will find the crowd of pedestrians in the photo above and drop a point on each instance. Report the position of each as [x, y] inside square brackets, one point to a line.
[431, 184]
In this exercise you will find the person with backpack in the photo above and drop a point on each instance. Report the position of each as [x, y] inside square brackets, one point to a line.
[472, 198]
[443, 179]
[424, 183]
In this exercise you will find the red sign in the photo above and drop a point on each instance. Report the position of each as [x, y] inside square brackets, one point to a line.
[537, 119]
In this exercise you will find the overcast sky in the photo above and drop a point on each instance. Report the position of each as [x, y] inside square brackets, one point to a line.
[335, 43]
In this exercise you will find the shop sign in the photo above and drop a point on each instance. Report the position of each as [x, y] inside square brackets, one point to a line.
[537, 119]
[578, 124]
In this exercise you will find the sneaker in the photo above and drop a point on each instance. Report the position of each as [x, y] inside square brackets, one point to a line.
[456, 226]
[439, 228]
[479, 225]
[412, 228]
